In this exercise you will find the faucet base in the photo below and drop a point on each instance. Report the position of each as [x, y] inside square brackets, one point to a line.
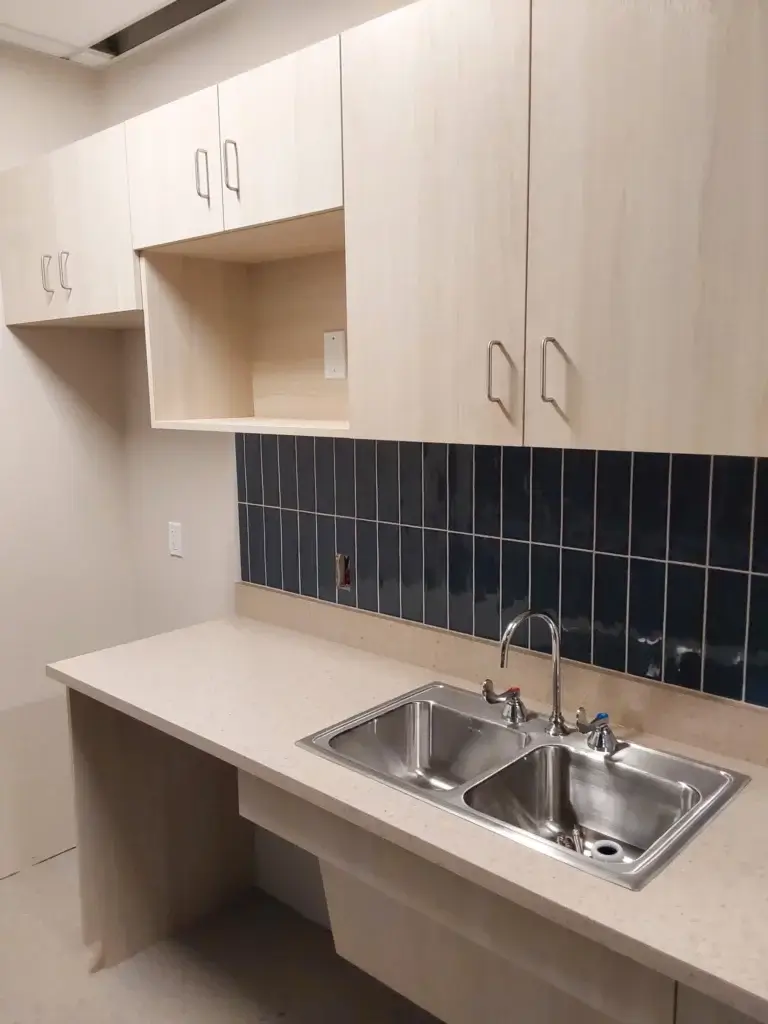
[556, 725]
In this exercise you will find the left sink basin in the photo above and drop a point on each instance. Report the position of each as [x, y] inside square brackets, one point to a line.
[436, 738]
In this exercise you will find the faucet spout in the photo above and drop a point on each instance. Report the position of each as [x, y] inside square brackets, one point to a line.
[556, 725]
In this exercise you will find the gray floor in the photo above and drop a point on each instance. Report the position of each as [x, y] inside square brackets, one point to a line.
[257, 964]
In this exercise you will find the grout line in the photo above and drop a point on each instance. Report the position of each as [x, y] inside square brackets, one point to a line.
[247, 513]
[376, 530]
[749, 580]
[629, 557]
[263, 515]
[317, 520]
[423, 546]
[560, 545]
[501, 542]
[594, 560]
[530, 546]
[354, 520]
[663, 667]
[280, 516]
[474, 582]
[298, 520]
[706, 575]
[335, 531]
[399, 538]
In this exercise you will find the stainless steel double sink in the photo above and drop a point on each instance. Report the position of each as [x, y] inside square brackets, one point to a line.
[632, 810]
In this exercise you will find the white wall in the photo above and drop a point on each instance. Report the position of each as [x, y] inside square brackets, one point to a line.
[64, 573]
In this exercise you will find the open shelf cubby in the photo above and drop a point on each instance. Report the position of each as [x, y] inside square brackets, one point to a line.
[235, 324]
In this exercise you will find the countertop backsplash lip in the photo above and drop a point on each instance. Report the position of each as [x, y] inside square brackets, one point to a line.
[653, 564]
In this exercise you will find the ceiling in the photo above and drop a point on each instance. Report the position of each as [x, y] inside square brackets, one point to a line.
[65, 27]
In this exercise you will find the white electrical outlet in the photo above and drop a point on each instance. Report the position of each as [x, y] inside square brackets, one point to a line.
[335, 355]
[174, 540]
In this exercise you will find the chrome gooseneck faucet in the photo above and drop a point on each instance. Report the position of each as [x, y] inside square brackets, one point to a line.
[556, 726]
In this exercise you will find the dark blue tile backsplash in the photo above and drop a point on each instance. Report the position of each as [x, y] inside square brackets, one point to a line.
[653, 564]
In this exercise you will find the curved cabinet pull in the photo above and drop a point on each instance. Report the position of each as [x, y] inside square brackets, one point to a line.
[198, 183]
[544, 346]
[45, 262]
[227, 182]
[63, 263]
[489, 372]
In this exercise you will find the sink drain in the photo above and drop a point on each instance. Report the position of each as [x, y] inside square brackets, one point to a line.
[607, 849]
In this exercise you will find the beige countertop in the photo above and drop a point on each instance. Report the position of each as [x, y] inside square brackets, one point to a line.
[246, 691]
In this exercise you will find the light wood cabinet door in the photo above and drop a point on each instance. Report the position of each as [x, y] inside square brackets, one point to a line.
[28, 253]
[435, 101]
[281, 138]
[174, 170]
[96, 269]
[648, 255]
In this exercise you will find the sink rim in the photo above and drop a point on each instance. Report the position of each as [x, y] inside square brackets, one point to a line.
[632, 876]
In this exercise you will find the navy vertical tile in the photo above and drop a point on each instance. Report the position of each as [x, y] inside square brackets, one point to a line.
[325, 475]
[612, 503]
[412, 573]
[253, 479]
[460, 487]
[388, 481]
[242, 520]
[389, 569]
[516, 493]
[760, 532]
[326, 558]
[367, 566]
[273, 547]
[757, 650]
[488, 490]
[346, 542]
[487, 587]
[689, 508]
[545, 593]
[609, 643]
[411, 483]
[515, 588]
[650, 505]
[725, 633]
[731, 517]
[546, 486]
[240, 466]
[256, 554]
[270, 473]
[365, 479]
[576, 605]
[460, 589]
[645, 619]
[290, 546]
[436, 486]
[286, 453]
[305, 468]
[436, 578]
[308, 554]
[684, 625]
[344, 457]
[579, 499]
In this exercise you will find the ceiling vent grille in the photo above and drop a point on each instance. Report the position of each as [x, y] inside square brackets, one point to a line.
[170, 17]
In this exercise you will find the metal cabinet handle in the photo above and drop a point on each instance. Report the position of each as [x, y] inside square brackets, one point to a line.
[544, 346]
[63, 262]
[207, 194]
[227, 183]
[489, 373]
[45, 262]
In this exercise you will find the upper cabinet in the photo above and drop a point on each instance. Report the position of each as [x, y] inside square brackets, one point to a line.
[281, 138]
[65, 243]
[174, 170]
[262, 147]
[649, 226]
[435, 100]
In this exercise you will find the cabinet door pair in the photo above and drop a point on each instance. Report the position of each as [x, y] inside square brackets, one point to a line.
[65, 240]
[264, 146]
[633, 234]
